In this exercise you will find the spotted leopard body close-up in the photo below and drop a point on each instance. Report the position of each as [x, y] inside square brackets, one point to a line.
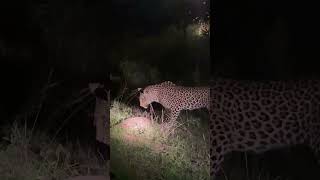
[259, 116]
[175, 98]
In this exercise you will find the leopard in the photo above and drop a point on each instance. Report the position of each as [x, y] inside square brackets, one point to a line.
[258, 116]
[175, 98]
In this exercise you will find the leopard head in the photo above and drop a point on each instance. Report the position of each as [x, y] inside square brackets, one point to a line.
[151, 93]
[147, 96]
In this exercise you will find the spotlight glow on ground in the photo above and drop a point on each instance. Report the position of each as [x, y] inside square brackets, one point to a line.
[137, 125]
[140, 131]
[137, 130]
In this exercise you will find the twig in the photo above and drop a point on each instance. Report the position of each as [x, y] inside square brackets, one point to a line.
[224, 174]
[65, 106]
[152, 113]
[69, 117]
[120, 96]
[132, 95]
[42, 99]
[246, 160]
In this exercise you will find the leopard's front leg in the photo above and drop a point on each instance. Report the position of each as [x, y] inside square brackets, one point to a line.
[171, 115]
[219, 142]
[216, 158]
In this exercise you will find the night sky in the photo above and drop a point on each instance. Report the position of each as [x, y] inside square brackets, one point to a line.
[264, 38]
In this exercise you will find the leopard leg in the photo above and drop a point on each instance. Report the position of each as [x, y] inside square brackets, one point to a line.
[219, 141]
[314, 135]
[172, 115]
[216, 157]
[315, 146]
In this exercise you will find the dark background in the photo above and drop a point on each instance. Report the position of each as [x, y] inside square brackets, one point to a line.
[37, 37]
[84, 41]
[268, 40]
[265, 39]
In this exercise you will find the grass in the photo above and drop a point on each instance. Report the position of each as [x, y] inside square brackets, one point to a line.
[151, 153]
[29, 155]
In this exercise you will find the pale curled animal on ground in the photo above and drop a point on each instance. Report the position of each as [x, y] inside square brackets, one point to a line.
[175, 98]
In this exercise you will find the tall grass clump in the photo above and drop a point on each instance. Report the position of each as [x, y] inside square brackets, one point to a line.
[30, 155]
[119, 112]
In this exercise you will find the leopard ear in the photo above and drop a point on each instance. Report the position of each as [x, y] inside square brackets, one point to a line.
[168, 83]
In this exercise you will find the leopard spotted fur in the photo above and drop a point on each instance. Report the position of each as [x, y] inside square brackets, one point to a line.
[175, 98]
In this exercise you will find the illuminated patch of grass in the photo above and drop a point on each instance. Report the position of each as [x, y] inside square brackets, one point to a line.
[119, 112]
[154, 155]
